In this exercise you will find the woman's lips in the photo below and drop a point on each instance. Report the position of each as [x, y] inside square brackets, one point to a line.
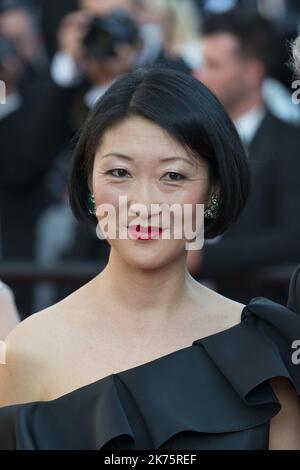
[140, 232]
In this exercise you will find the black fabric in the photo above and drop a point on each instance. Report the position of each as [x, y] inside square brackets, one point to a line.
[294, 291]
[213, 394]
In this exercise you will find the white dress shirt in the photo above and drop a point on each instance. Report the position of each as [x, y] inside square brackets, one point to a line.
[248, 124]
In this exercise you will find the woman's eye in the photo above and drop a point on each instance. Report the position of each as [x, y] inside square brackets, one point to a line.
[119, 172]
[175, 176]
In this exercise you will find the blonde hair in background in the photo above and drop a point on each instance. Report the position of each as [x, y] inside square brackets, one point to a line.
[181, 21]
[296, 56]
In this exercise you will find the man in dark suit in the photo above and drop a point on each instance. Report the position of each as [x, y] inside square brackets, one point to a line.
[238, 55]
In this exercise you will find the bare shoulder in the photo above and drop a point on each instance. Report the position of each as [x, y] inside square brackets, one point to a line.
[38, 346]
[285, 425]
[230, 310]
[28, 352]
[222, 312]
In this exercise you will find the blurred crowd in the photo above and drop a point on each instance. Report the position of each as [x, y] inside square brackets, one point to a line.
[56, 60]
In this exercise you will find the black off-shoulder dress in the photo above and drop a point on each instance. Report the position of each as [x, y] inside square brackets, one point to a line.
[213, 394]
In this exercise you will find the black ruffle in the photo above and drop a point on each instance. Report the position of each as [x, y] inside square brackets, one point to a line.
[219, 384]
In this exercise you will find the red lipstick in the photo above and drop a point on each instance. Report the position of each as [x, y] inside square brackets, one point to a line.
[140, 232]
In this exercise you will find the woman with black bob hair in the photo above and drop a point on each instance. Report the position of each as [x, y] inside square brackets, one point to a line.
[144, 356]
[188, 111]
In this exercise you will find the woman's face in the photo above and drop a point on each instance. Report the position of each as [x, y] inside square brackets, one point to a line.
[147, 176]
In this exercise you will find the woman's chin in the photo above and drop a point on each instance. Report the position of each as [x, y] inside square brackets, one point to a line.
[146, 263]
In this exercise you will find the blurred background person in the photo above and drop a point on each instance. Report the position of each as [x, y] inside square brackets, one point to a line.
[161, 24]
[20, 24]
[31, 132]
[170, 27]
[285, 17]
[110, 48]
[239, 52]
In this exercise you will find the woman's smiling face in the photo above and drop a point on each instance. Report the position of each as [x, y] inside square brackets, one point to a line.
[140, 160]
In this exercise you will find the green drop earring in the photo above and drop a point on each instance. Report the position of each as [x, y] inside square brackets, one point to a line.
[211, 211]
[92, 205]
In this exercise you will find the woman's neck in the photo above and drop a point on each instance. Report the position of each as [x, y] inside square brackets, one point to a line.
[146, 293]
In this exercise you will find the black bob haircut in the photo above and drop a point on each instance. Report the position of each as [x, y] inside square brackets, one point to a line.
[190, 113]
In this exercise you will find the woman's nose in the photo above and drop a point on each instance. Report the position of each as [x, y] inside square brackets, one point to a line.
[144, 198]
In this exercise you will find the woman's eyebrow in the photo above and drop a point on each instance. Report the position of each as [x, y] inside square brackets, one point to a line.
[166, 159]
